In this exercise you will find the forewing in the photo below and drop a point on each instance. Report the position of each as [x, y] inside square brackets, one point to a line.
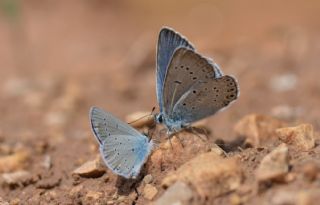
[168, 42]
[186, 69]
[104, 125]
[125, 154]
[206, 99]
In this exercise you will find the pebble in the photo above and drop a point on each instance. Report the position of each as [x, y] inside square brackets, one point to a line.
[14, 201]
[93, 195]
[301, 136]
[149, 191]
[311, 170]
[76, 190]
[46, 163]
[15, 87]
[148, 179]
[206, 172]
[179, 193]
[285, 82]
[216, 149]
[173, 144]
[298, 197]
[3, 202]
[275, 165]
[14, 161]
[121, 198]
[90, 169]
[49, 183]
[18, 178]
[285, 112]
[257, 128]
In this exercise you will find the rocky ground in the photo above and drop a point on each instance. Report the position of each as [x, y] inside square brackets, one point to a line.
[58, 59]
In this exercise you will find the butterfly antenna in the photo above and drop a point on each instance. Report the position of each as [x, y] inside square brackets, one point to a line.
[153, 109]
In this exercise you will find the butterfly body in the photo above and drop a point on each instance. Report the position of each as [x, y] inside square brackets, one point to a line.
[173, 125]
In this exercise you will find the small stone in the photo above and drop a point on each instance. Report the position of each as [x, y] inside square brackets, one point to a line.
[206, 172]
[257, 129]
[140, 119]
[275, 165]
[235, 199]
[284, 197]
[50, 195]
[49, 183]
[46, 162]
[4, 148]
[299, 197]
[216, 149]
[149, 191]
[15, 87]
[301, 136]
[285, 112]
[121, 198]
[3, 202]
[178, 193]
[115, 196]
[309, 197]
[311, 170]
[15, 201]
[18, 178]
[76, 190]
[157, 158]
[110, 202]
[93, 195]
[92, 169]
[148, 179]
[14, 161]
[41, 146]
[284, 82]
[290, 177]
[173, 144]
[35, 99]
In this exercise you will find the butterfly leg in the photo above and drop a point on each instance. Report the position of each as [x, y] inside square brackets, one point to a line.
[179, 140]
[195, 131]
[175, 133]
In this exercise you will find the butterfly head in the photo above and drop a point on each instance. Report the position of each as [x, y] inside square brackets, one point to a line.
[159, 118]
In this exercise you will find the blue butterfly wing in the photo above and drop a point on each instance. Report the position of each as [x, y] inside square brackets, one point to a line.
[186, 70]
[206, 98]
[168, 42]
[125, 154]
[123, 149]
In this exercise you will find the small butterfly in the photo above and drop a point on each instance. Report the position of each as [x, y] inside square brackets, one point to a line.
[123, 149]
[190, 87]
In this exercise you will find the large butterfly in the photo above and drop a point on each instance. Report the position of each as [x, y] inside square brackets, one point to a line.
[190, 87]
[123, 149]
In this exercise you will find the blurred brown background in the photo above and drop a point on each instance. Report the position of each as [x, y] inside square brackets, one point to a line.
[107, 48]
[58, 58]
